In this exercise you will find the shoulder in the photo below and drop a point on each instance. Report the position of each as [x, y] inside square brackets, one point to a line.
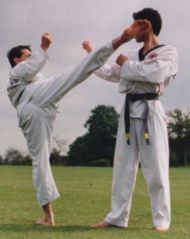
[162, 51]
[16, 69]
[167, 48]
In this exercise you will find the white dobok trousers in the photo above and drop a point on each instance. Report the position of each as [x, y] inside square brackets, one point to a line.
[154, 161]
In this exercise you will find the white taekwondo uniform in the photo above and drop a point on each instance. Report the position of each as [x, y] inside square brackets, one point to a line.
[150, 75]
[35, 98]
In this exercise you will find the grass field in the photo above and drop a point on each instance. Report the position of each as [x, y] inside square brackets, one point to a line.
[85, 199]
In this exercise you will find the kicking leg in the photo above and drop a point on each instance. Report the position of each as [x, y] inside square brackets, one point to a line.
[53, 90]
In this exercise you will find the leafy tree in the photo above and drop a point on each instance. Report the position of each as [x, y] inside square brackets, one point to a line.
[79, 152]
[179, 137]
[99, 141]
[1, 160]
[56, 158]
[102, 127]
[13, 156]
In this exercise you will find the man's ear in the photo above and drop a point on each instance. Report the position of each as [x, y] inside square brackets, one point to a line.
[16, 60]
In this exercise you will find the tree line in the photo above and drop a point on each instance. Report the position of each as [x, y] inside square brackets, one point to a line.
[96, 146]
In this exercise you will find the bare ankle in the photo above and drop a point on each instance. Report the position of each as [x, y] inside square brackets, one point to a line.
[48, 214]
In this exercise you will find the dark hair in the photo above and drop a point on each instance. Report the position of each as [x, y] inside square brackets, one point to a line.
[151, 15]
[16, 52]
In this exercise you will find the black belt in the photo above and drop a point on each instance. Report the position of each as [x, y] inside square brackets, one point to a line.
[19, 97]
[132, 98]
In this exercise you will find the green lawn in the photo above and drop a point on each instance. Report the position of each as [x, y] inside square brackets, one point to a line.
[85, 199]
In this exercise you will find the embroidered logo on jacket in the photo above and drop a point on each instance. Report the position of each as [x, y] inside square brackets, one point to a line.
[152, 55]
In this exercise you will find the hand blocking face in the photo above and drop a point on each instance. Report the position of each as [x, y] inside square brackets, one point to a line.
[140, 29]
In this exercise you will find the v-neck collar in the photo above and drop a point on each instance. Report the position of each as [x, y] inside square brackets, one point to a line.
[142, 55]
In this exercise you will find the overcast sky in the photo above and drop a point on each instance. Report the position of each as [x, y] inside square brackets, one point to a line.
[70, 22]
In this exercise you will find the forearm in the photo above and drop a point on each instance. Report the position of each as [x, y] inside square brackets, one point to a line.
[154, 72]
[109, 73]
[133, 71]
[118, 41]
[125, 37]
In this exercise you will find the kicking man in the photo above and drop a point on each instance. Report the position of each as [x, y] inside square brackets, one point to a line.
[35, 99]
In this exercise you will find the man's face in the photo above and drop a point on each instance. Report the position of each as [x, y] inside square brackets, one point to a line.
[142, 36]
[25, 55]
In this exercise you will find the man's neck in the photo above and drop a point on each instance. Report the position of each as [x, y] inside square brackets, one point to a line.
[150, 43]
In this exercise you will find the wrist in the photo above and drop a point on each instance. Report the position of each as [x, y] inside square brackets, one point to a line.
[117, 42]
[43, 48]
[126, 37]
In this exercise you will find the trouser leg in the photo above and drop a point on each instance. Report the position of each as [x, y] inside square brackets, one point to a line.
[155, 166]
[36, 125]
[126, 162]
[52, 90]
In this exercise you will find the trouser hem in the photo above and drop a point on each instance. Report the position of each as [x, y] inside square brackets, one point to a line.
[113, 222]
[43, 203]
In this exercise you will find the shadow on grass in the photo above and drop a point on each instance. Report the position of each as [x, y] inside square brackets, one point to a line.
[38, 228]
[64, 228]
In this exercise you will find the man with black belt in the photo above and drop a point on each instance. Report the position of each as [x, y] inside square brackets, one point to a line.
[142, 132]
[35, 99]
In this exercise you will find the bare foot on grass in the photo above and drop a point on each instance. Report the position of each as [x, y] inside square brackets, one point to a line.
[102, 225]
[46, 221]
